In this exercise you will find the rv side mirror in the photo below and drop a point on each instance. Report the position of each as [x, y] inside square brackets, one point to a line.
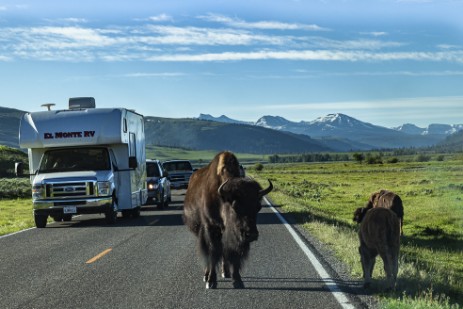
[19, 169]
[133, 162]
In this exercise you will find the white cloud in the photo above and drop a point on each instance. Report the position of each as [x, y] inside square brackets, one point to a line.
[399, 103]
[312, 55]
[169, 43]
[375, 33]
[263, 25]
[209, 36]
[163, 74]
[160, 18]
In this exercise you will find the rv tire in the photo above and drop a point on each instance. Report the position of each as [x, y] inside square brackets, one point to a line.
[111, 213]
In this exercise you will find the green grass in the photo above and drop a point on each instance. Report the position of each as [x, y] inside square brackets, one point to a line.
[15, 215]
[323, 197]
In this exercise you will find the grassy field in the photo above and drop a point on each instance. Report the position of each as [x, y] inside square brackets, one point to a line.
[323, 198]
[15, 215]
[197, 157]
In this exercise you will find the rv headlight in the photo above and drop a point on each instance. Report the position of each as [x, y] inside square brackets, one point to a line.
[104, 188]
[37, 192]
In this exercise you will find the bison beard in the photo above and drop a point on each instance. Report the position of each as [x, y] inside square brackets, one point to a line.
[221, 210]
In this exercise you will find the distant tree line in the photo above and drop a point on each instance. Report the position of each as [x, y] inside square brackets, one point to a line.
[309, 157]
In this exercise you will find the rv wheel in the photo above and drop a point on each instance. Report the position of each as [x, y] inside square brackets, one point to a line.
[40, 221]
[111, 213]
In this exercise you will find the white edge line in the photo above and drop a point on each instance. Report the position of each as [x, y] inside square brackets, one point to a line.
[11, 234]
[329, 282]
[28, 229]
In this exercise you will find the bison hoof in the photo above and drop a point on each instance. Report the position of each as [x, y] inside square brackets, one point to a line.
[238, 284]
[211, 285]
[226, 274]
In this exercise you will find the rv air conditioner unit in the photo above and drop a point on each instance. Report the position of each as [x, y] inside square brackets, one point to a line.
[82, 102]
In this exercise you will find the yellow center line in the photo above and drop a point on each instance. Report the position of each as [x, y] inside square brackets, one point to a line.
[99, 256]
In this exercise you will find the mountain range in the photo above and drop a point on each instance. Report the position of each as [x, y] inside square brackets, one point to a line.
[361, 135]
[269, 134]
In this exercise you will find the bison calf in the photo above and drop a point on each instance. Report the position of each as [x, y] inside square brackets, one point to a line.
[379, 234]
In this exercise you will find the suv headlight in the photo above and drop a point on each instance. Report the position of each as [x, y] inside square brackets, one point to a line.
[104, 188]
[153, 186]
[37, 192]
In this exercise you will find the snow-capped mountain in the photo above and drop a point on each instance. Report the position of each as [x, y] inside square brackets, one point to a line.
[361, 135]
[222, 118]
[432, 129]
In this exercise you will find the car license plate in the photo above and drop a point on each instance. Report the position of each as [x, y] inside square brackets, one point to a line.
[70, 209]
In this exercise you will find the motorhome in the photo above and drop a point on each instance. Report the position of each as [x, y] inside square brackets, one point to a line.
[85, 160]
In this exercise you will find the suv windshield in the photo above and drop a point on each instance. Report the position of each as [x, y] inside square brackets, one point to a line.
[152, 170]
[75, 159]
[177, 166]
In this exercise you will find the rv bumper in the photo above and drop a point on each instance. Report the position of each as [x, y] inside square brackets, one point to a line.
[87, 206]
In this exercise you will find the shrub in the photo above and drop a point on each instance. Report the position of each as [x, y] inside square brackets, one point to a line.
[258, 167]
[422, 158]
[393, 160]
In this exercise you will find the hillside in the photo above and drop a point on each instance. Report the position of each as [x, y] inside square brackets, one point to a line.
[453, 143]
[201, 134]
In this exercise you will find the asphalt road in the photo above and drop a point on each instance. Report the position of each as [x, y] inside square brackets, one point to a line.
[151, 262]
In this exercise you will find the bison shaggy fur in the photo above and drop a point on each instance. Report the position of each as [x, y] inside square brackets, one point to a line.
[384, 199]
[379, 234]
[221, 209]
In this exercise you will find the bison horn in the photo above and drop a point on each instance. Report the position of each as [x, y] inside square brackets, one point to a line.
[266, 191]
[220, 190]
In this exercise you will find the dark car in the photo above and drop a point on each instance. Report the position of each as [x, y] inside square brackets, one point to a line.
[158, 184]
[179, 171]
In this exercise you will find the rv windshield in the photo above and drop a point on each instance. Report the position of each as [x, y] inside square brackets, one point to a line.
[75, 159]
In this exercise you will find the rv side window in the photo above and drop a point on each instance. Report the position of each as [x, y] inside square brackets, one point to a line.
[132, 145]
[75, 159]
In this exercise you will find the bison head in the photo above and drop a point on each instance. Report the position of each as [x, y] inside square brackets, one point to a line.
[359, 213]
[241, 199]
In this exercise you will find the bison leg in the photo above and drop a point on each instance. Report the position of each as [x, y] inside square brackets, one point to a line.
[211, 249]
[225, 269]
[368, 263]
[236, 277]
[390, 260]
[235, 267]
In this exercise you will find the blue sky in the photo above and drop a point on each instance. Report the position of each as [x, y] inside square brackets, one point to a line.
[387, 62]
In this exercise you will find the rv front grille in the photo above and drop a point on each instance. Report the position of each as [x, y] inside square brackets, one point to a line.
[70, 189]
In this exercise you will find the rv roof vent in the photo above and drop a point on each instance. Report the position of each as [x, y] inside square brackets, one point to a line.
[82, 102]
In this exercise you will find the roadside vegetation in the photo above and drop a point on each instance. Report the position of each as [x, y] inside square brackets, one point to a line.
[323, 196]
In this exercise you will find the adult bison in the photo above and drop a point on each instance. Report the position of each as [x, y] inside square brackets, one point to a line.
[221, 210]
[379, 234]
[385, 199]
